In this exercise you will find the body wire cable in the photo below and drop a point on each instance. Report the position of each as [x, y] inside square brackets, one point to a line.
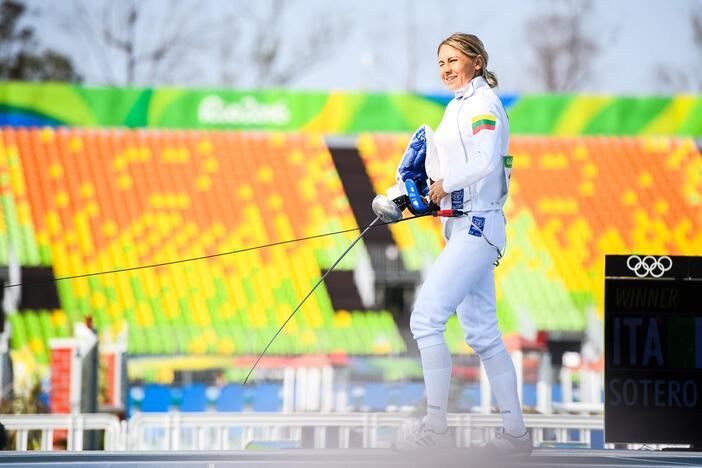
[203, 257]
[500, 253]
[308, 295]
[439, 213]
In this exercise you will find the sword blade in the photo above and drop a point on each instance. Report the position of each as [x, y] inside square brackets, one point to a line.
[308, 295]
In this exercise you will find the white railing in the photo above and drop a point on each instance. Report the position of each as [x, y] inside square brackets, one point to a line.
[74, 424]
[221, 431]
[234, 431]
[475, 428]
[218, 431]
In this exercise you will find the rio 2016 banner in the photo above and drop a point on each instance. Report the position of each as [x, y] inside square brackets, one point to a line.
[38, 104]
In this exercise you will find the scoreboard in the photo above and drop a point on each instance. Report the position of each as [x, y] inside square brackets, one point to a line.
[653, 349]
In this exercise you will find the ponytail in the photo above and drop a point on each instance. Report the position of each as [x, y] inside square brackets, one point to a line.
[490, 77]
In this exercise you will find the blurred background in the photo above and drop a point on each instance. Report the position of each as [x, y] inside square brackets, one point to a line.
[170, 134]
[625, 47]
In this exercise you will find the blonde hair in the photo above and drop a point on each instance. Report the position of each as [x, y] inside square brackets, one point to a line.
[471, 46]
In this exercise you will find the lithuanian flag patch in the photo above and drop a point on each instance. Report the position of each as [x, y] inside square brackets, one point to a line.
[483, 122]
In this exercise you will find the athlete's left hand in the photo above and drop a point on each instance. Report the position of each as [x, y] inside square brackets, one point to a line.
[436, 191]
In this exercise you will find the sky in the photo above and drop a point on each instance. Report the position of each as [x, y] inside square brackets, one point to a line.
[386, 45]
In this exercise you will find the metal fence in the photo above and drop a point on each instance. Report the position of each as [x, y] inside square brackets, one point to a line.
[472, 429]
[218, 431]
[75, 426]
[236, 431]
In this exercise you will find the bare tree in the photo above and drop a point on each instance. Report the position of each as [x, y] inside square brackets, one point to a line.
[150, 47]
[689, 78]
[563, 51]
[230, 36]
[271, 55]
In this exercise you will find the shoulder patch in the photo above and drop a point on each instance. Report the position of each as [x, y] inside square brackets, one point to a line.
[483, 122]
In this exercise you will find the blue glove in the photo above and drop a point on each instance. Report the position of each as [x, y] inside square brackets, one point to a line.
[412, 165]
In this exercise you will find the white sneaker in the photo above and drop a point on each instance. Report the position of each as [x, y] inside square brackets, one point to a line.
[506, 445]
[423, 438]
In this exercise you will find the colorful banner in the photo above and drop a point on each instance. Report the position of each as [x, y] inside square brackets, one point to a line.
[38, 104]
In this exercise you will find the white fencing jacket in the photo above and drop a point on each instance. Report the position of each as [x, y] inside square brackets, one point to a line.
[471, 150]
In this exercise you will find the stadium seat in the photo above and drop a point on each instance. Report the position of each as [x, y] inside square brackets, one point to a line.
[572, 201]
[194, 398]
[231, 398]
[469, 397]
[376, 397]
[267, 397]
[95, 200]
[529, 394]
[556, 394]
[157, 398]
[84, 200]
[406, 394]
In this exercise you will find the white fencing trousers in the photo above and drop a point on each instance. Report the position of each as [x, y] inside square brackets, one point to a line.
[461, 280]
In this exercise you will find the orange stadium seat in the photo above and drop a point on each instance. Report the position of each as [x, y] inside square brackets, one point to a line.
[94, 200]
[98, 200]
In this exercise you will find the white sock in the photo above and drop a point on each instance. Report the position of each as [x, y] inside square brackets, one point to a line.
[503, 380]
[436, 364]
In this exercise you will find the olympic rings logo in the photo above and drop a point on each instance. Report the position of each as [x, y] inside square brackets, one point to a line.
[649, 265]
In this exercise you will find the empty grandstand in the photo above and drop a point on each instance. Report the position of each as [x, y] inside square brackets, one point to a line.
[99, 201]
[151, 235]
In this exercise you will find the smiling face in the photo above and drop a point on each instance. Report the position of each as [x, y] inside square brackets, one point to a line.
[457, 69]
